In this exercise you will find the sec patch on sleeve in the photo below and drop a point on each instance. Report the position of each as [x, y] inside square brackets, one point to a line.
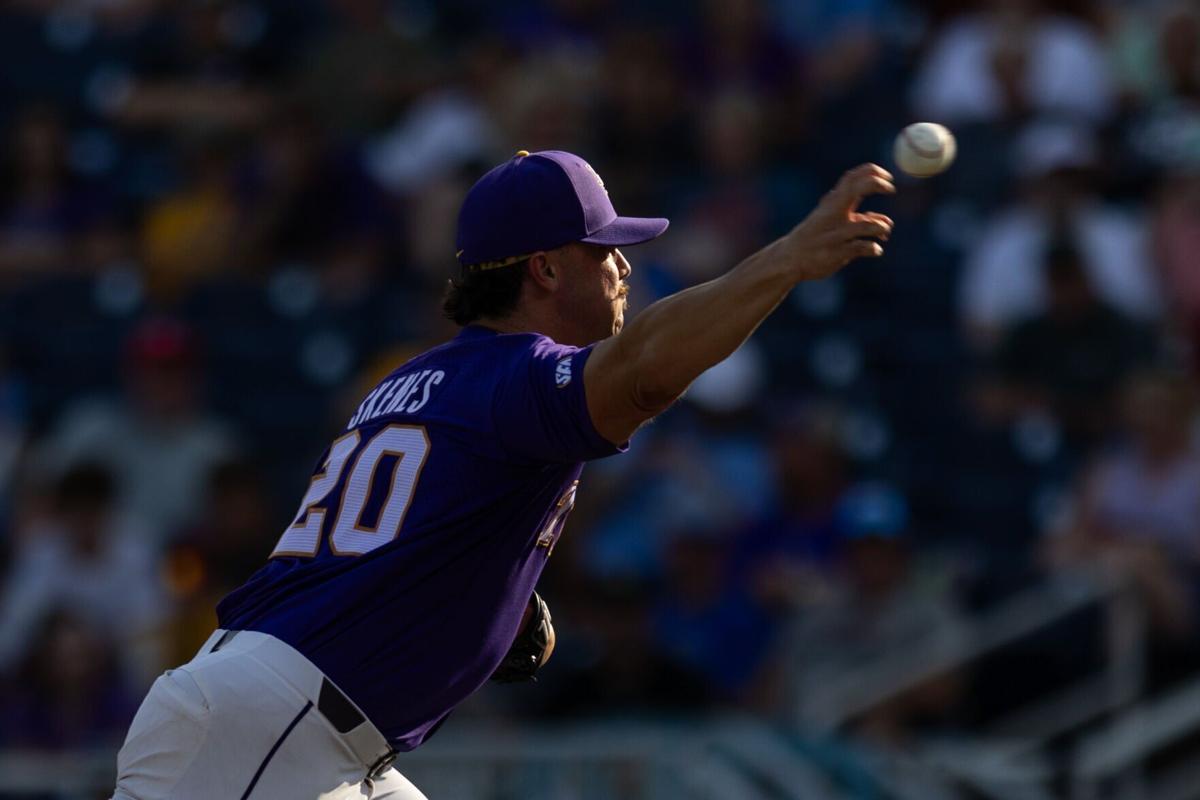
[562, 373]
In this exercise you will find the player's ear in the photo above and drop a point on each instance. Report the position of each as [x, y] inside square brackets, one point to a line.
[543, 271]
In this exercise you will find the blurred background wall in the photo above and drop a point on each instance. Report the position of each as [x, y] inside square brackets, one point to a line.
[934, 532]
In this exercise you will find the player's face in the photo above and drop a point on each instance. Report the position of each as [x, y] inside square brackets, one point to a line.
[597, 293]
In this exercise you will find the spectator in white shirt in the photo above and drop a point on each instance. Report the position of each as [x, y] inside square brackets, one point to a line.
[87, 560]
[1013, 59]
[158, 440]
[1003, 278]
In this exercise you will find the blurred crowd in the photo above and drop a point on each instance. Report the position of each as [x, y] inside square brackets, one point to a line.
[222, 220]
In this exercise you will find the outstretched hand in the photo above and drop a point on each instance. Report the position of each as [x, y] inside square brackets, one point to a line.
[836, 232]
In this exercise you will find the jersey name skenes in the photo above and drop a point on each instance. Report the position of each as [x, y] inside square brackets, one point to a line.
[406, 394]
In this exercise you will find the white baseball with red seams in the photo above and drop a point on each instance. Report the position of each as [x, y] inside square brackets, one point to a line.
[924, 149]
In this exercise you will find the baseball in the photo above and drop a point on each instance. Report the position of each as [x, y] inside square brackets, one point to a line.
[924, 149]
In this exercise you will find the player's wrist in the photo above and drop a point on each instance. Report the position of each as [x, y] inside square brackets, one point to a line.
[779, 266]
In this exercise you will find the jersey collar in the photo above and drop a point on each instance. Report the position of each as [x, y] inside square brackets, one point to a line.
[476, 332]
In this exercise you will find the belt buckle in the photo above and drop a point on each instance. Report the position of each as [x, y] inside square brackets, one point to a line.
[382, 764]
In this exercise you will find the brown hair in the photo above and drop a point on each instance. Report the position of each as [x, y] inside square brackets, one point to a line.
[484, 293]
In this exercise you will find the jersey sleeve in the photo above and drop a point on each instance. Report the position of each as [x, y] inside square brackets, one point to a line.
[541, 409]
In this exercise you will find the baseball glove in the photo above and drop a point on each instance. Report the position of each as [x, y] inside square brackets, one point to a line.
[532, 647]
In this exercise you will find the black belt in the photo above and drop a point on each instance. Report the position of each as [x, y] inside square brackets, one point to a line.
[336, 708]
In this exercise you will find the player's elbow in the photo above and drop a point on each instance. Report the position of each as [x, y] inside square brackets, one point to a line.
[650, 398]
[628, 410]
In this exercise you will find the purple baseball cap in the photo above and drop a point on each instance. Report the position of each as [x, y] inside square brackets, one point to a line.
[540, 201]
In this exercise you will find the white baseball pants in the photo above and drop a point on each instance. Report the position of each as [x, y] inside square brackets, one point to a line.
[244, 723]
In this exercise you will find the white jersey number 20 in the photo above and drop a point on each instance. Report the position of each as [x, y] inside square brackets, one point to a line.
[402, 448]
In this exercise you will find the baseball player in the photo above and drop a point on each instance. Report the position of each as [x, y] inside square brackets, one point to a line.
[407, 578]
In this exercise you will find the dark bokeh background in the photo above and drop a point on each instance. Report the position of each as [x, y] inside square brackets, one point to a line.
[221, 221]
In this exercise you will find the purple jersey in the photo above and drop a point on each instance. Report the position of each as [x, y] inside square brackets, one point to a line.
[427, 523]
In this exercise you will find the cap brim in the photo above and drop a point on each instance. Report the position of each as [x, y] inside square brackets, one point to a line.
[629, 230]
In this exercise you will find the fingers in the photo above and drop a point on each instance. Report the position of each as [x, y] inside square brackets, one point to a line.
[865, 248]
[836, 233]
[884, 218]
[863, 180]
[862, 233]
[871, 183]
[874, 226]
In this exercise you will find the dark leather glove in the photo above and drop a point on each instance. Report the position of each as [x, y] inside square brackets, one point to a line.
[532, 647]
